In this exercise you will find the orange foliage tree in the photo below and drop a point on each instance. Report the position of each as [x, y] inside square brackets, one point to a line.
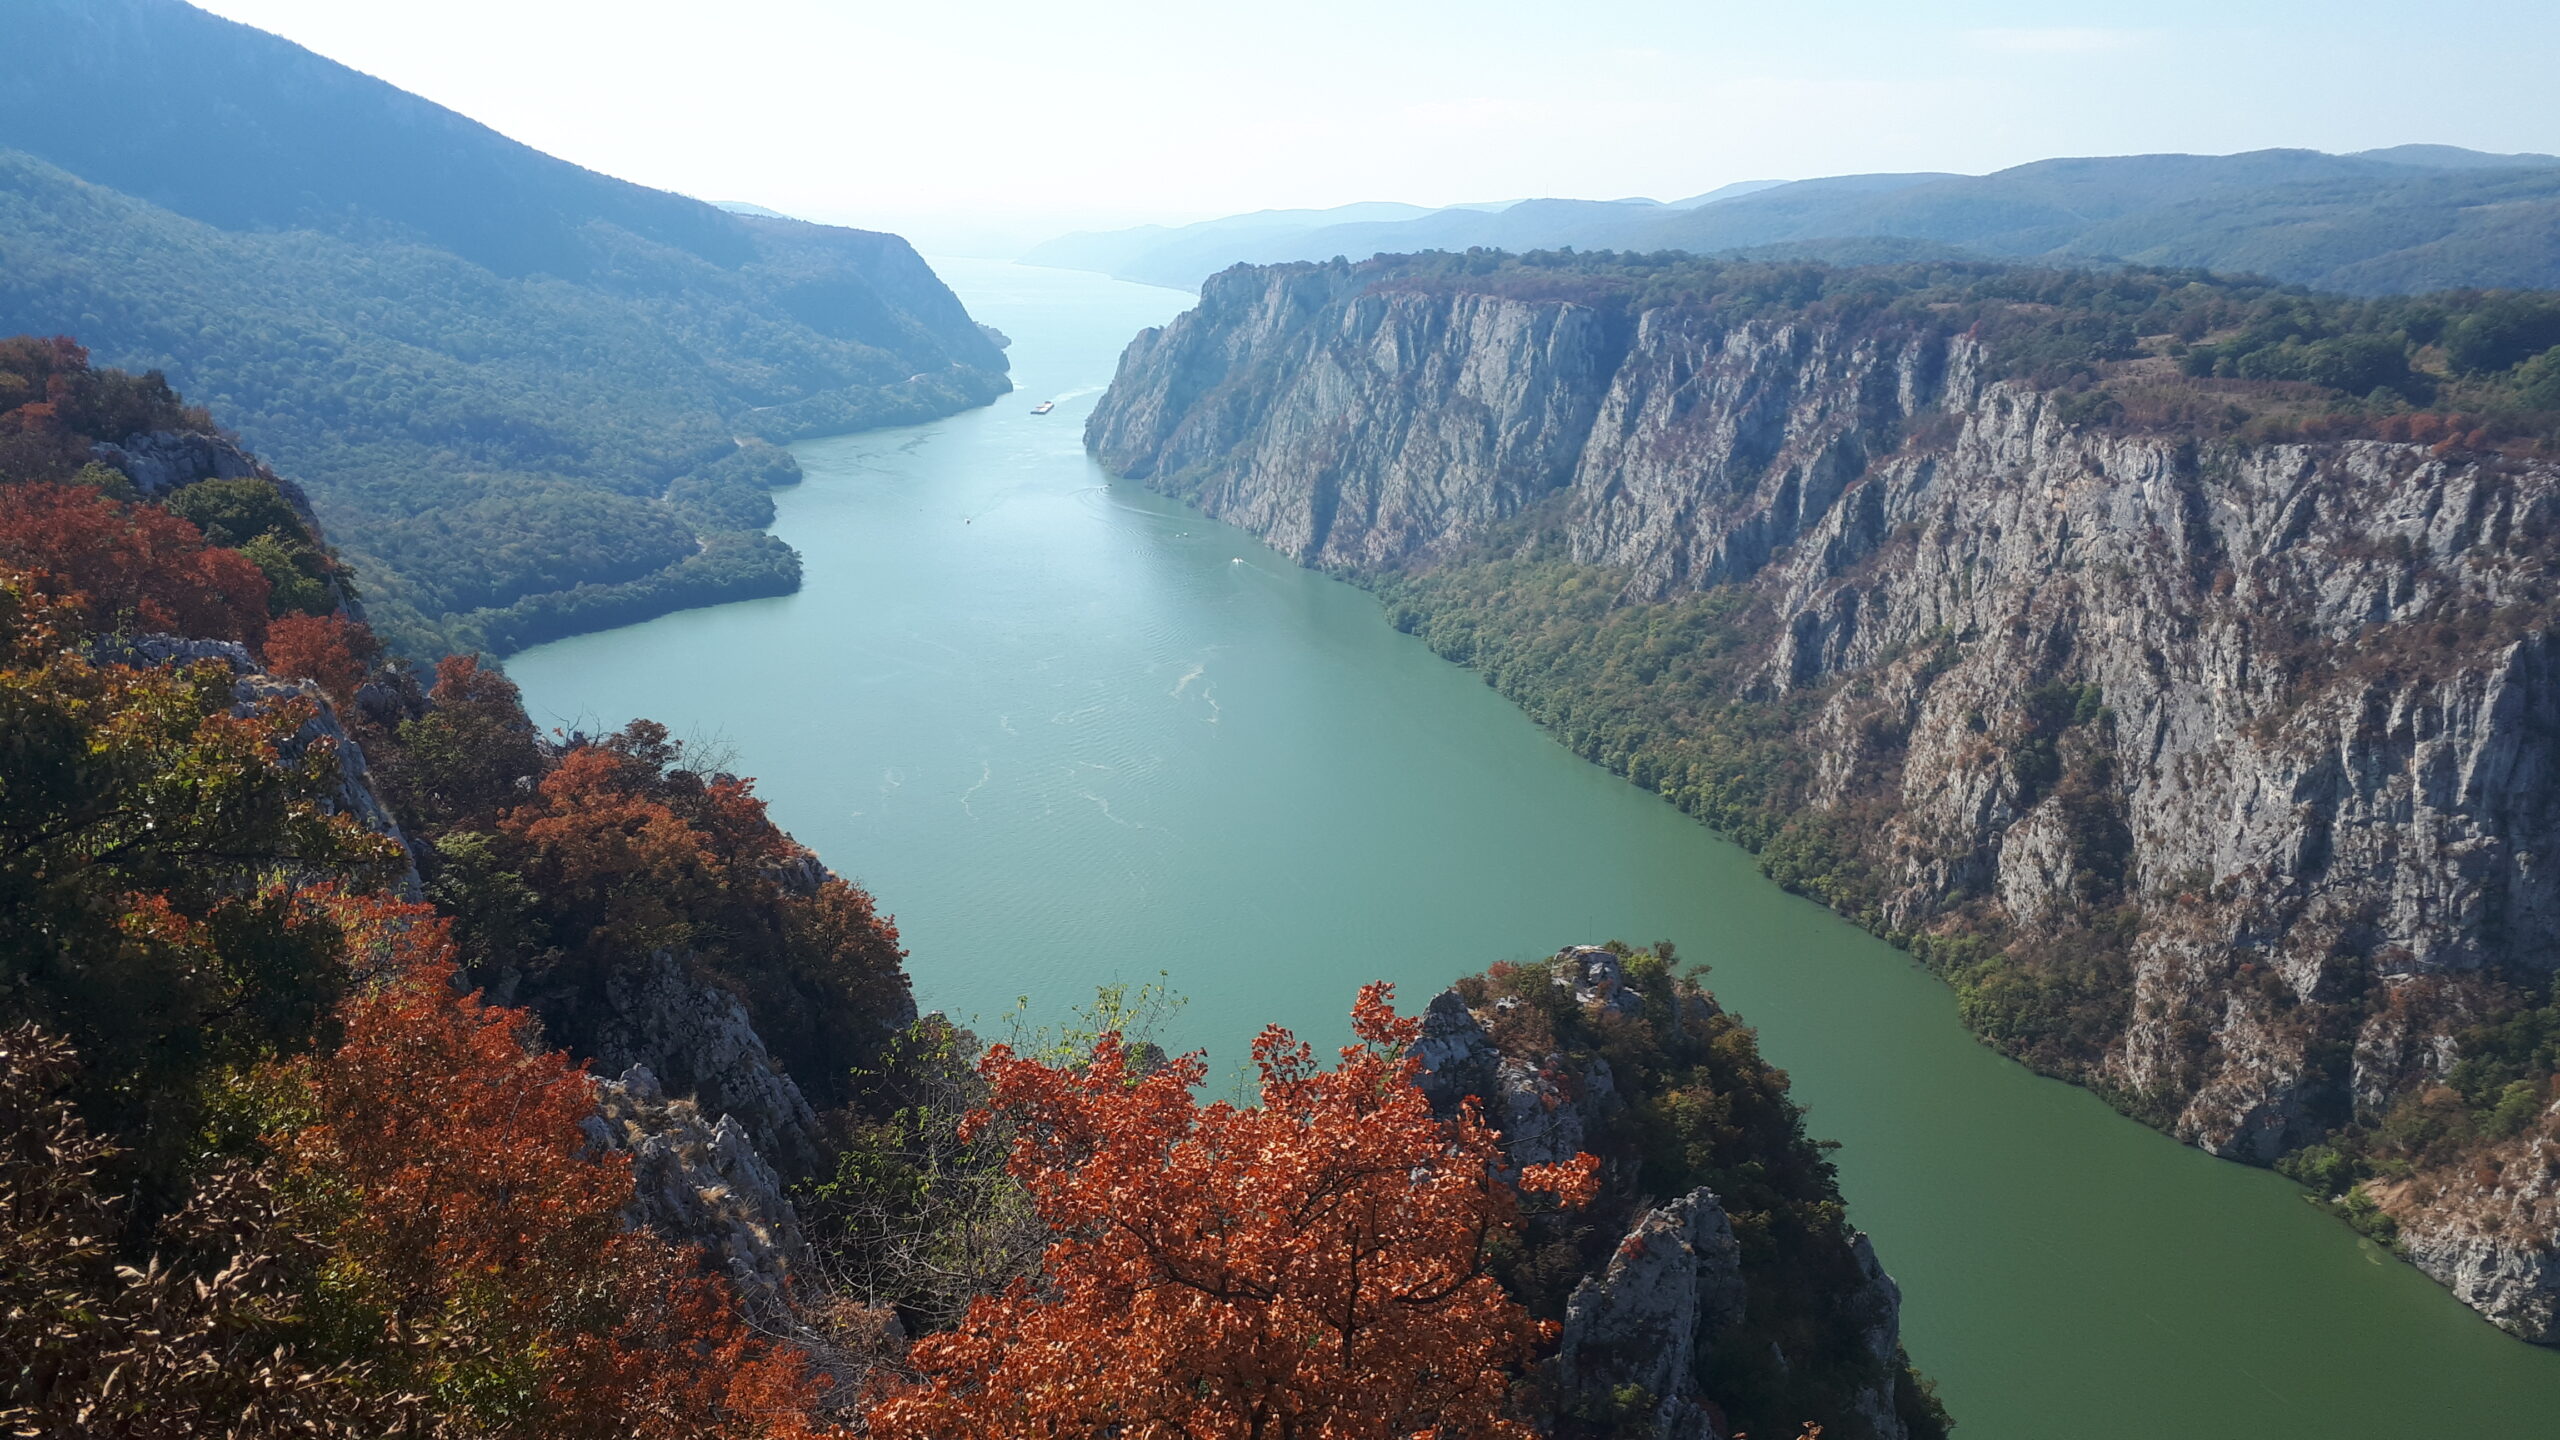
[631, 850]
[137, 566]
[480, 1259]
[1314, 1266]
[331, 650]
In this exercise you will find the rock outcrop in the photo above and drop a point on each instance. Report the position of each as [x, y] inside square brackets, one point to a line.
[695, 1037]
[1668, 1291]
[164, 460]
[700, 1182]
[2285, 716]
[1643, 1324]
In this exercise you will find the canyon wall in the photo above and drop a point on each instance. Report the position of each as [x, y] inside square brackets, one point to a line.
[2244, 751]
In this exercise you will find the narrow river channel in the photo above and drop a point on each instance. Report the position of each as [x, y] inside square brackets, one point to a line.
[1072, 733]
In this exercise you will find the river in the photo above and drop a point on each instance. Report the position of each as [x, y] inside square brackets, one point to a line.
[1070, 733]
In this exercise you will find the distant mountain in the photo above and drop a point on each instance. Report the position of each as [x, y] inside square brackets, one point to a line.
[1115, 251]
[1180, 257]
[2453, 157]
[1736, 190]
[516, 389]
[2413, 217]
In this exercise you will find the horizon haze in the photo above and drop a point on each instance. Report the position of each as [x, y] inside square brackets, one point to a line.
[1145, 112]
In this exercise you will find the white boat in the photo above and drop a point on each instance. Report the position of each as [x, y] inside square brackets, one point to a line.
[1044, 407]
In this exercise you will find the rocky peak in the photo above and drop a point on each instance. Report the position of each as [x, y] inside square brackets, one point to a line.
[1633, 1333]
[702, 1183]
[1641, 1329]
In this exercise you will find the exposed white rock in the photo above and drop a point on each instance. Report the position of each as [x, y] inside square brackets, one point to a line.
[695, 1037]
[702, 1183]
[162, 461]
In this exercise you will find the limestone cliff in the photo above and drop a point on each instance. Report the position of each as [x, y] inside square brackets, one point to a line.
[1695, 1299]
[2219, 774]
[701, 1181]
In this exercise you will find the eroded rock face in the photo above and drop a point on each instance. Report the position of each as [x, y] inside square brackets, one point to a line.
[1357, 429]
[1639, 1331]
[699, 1182]
[2320, 758]
[1644, 1322]
[1458, 1058]
[695, 1038]
[2493, 1242]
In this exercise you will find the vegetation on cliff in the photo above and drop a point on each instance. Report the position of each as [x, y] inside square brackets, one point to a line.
[1693, 1105]
[2144, 350]
[271, 1171]
[300, 1139]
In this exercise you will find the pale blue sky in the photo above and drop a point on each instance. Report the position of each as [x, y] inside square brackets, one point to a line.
[935, 117]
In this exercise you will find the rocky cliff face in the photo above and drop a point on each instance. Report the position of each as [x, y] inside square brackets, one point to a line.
[1671, 1324]
[700, 1181]
[2248, 750]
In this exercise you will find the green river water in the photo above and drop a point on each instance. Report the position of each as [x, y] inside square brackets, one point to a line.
[1070, 732]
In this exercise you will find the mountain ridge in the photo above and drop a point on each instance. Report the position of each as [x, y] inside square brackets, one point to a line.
[2401, 220]
[528, 399]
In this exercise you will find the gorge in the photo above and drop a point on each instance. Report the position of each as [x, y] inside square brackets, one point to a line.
[2209, 757]
[1143, 677]
[1840, 809]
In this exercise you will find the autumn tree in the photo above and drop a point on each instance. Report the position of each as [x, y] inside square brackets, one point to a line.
[330, 650]
[480, 1255]
[136, 566]
[1316, 1265]
[630, 850]
[466, 758]
[52, 405]
[143, 830]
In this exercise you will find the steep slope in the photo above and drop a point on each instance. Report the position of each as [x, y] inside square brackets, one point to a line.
[2212, 761]
[238, 1052]
[510, 384]
[1715, 1287]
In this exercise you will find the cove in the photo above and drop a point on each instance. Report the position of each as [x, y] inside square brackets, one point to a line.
[1072, 733]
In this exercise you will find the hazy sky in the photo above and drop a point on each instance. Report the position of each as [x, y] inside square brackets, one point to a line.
[939, 116]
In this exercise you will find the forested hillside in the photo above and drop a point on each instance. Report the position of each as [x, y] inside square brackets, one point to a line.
[517, 390]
